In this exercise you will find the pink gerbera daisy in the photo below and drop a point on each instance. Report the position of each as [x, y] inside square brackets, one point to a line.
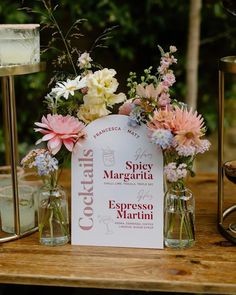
[187, 127]
[58, 130]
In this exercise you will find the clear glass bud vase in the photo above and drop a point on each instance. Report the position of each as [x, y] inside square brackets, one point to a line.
[53, 218]
[179, 222]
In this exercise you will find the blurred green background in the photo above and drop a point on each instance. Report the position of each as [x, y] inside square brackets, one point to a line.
[142, 25]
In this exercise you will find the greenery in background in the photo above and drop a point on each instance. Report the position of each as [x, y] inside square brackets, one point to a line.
[134, 46]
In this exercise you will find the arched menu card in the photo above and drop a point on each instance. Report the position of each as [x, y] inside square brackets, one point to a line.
[117, 187]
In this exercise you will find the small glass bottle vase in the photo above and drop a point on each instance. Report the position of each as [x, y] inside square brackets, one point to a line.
[179, 219]
[53, 220]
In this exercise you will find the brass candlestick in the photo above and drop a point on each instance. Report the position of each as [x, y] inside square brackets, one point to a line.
[228, 169]
[10, 127]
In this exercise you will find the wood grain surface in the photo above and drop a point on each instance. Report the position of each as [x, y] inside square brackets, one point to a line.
[208, 267]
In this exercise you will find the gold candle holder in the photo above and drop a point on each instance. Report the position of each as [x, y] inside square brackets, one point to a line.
[7, 74]
[227, 228]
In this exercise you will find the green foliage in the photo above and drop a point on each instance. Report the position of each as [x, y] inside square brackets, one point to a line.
[145, 79]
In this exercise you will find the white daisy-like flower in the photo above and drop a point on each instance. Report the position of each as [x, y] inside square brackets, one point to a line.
[66, 88]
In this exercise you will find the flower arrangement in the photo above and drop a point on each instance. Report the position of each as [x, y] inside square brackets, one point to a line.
[73, 104]
[89, 93]
[73, 101]
[81, 89]
[176, 129]
[178, 132]
[53, 212]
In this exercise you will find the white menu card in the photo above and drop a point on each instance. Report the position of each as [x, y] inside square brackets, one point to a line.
[117, 187]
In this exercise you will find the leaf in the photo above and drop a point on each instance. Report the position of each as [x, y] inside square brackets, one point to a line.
[161, 50]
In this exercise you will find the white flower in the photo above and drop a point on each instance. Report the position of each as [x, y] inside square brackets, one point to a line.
[84, 61]
[173, 49]
[174, 173]
[69, 87]
[204, 146]
[186, 151]
[181, 170]
[169, 79]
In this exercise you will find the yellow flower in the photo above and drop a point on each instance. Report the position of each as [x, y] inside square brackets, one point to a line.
[102, 82]
[88, 113]
[90, 99]
[115, 98]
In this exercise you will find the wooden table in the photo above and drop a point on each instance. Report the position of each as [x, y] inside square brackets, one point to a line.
[208, 267]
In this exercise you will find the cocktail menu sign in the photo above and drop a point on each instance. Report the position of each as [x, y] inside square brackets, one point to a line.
[117, 187]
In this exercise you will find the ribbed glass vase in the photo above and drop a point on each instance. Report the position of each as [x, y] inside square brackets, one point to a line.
[53, 219]
[179, 218]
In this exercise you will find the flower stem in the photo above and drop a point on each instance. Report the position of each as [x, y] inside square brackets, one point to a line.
[60, 216]
[180, 226]
[51, 225]
[51, 15]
